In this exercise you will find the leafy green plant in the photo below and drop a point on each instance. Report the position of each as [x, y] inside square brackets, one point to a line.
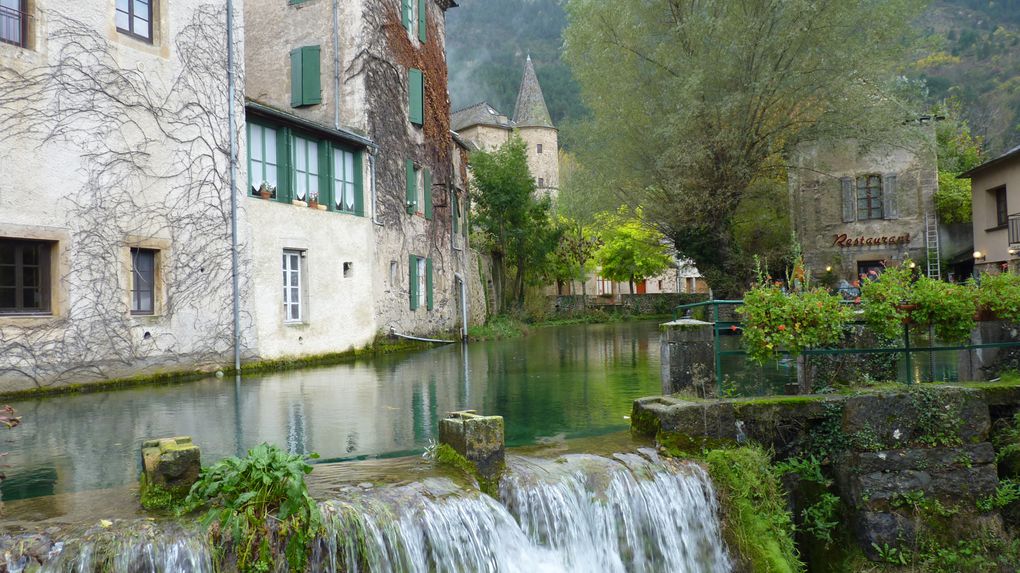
[775, 320]
[889, 554]
[808, 469]
[898, 296]
[1007, 493]
[255, 499]
[821, 518]
[1000, 294]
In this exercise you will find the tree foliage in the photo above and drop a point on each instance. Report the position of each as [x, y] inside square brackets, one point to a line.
[958, 151]
[514, 225]
[694, 101]
[631, 250]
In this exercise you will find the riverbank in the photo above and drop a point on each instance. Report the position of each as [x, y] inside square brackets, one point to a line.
[503, 327]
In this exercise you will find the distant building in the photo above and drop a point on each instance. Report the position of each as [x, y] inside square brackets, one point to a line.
[857, 209]
[995, 191]
[488, 129]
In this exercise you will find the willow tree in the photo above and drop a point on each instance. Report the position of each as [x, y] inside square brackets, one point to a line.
[696, 101]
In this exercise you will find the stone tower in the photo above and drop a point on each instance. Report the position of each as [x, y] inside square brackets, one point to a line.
[531, 118]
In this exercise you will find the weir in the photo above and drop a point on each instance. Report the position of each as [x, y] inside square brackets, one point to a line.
[576, 513]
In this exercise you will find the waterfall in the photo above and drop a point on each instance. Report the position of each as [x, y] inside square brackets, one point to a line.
[630, 513]
[572, 514]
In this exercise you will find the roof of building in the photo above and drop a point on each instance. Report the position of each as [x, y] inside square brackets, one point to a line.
[531, 110]
[480, 113]
[259, 109]
[1015, 152]
[463, 142]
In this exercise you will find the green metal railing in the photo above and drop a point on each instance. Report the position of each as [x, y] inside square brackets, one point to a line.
[906, 350]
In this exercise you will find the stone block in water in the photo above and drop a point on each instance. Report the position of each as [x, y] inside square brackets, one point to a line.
[169, 468]
[478, 438]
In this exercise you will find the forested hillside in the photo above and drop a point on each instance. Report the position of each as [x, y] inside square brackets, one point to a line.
[970, 51]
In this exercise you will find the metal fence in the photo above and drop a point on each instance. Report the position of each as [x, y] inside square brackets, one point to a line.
[726, 327]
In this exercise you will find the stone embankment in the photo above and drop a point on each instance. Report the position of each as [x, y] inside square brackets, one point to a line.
[889, 451]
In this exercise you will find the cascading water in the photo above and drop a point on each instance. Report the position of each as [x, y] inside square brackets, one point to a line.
[576, 513]
[573, 514]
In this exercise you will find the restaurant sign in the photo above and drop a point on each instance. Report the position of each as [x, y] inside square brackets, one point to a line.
[843, 241]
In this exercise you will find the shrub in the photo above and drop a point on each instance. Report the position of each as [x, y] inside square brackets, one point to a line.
[1000, 294]
[246, 496]
[947, 307]
[794, 322]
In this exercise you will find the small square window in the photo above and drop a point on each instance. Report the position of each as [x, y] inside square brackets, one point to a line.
[24, 276]
[541, 182]
[538, 148]
[348, 269]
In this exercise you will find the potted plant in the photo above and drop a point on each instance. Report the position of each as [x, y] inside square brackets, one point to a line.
[265, 191]
[313, 200]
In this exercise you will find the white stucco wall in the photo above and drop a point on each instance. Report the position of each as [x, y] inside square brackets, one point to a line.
[155, 178]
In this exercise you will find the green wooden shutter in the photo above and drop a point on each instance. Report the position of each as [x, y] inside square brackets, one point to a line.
[421, 20]
[415, 88]
[305, 87]
[889, 204]
[284, 173]
[359, 184]
[427, 188]
[412, 268]
[405, 17]
[428, 283]
[295, 78]
[849, 199]
[467, 215]
[412, 183]
[311, 91]
[326, 175]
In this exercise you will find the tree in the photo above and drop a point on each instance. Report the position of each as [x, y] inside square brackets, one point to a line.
[574, 256]
[958, 151]
[695, 101]
[514, 224]
[630, 250]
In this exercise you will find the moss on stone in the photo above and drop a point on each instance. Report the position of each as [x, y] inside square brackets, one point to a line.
[155, 497]
[380, 347]
[446, 455]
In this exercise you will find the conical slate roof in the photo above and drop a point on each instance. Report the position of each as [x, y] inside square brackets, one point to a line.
[530, 110]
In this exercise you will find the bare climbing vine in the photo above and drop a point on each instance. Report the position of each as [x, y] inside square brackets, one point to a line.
[154, 165]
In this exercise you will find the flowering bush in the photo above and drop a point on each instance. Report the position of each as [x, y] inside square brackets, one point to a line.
[899, 297]
[774, 320]
[1000, 294]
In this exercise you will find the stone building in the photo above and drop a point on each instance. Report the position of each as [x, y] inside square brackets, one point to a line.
[115, 251]
[855, 209]
[995, 191]
[486, 128]
[347, 107]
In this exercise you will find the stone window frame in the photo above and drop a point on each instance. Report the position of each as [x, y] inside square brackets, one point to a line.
[44, 278]
[162, 250]
[139, 278]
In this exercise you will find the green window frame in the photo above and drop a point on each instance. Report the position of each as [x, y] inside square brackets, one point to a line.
[426, 190]
[416, 95]
[422, 21]
[454, 211]
[420, 282]
[346, 176]
[306, 169]
[305, 82]
[263, 159]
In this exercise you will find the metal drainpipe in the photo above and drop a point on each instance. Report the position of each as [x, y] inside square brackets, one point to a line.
[235, 280]
[463, 306]
[336, 64]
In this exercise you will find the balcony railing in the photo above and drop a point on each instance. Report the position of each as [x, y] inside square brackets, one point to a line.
[1014, 230]
[13, 26]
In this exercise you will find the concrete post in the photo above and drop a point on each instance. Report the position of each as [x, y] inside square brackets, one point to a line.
[688, 356]
[479, 439]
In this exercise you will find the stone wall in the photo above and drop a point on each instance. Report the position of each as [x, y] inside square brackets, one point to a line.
[659, 303]
[891, 452]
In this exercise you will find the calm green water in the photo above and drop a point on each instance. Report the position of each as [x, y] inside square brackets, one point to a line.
[557, 382]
